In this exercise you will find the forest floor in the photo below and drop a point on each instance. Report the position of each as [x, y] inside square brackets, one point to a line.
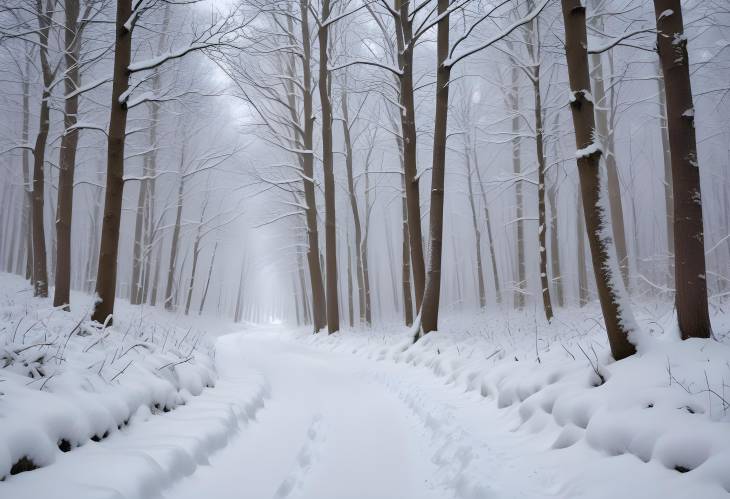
[492, 406]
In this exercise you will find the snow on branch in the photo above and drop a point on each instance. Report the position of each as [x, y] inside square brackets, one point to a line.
[521, 22]
[393, 70]
[617, 41]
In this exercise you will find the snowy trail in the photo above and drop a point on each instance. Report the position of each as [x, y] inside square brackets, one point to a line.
[340, 427]
[327, 431]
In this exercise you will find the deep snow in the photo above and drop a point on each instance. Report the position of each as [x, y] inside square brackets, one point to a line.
[495, 405]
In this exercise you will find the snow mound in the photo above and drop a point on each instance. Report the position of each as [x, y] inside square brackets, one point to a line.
[662, 414]
[66, 385]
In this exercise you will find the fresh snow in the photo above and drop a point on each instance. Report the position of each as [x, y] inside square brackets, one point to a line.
[494, 405]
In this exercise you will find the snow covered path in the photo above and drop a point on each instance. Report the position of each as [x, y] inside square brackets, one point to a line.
[340, 427]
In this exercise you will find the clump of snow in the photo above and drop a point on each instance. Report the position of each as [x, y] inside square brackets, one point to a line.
[65, 383]
[591, 148]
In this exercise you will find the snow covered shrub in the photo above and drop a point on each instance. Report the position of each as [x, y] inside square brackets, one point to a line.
[66, 381]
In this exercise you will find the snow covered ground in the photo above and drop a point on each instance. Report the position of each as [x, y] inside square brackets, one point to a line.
[492, 406]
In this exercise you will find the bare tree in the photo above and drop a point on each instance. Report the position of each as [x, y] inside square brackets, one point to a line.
[689, 250]
[616, 312]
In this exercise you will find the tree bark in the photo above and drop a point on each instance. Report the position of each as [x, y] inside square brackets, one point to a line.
[107, 274]
[541, 212]
[404, 36]
[40, 271]
[432, 292]
[67, 160]
[615, 313]
[689, 249]
[330, 228]
[319, 313]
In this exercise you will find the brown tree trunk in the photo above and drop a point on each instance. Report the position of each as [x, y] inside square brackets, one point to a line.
[616, 314]
[404, 35]
[106, 281]
[541, 212]
[40, 272]
[689, 249]
[330, 228]
[67, 160]
[319, 313]
[432, 293]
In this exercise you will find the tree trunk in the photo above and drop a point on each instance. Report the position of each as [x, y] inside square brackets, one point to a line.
[667, 161]
[432, 293]
[581, 250]
[196, 253]
[492, 253]
[239, 297]
[40, 272]
[319, 314]
[404, 35]
[330, 228]
[689, 248]
[362, 292]
[475, 223]
[614, 187]
[169, 305]
[557, 277]
[350, 304]
[542, 217]
[27, 252]
[67, 160]
[135, 292]
[303, 288]
[520, 284]
[107, 274]
[207, 282]
[616, 313]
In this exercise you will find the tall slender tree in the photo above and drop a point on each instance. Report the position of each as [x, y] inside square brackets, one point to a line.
[690, 275]
[616, 312]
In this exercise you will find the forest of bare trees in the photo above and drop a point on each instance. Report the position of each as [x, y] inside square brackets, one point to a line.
[344, 163]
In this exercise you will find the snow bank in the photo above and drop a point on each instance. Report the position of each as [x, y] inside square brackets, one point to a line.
[659, 420]
[66, 385]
